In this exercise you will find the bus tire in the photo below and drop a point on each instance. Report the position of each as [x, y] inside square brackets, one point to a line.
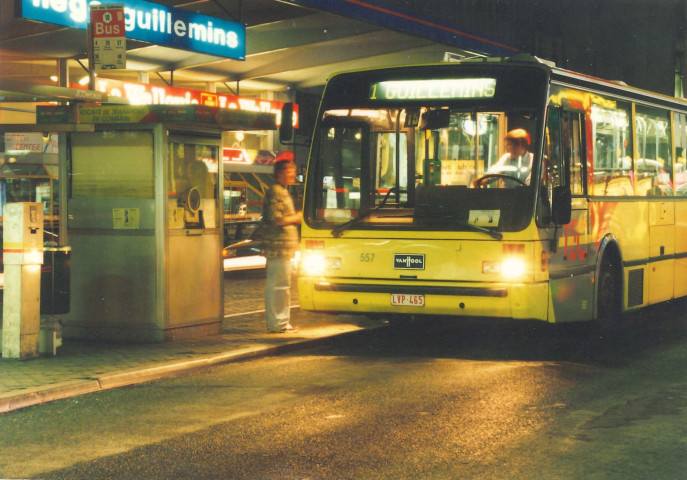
[608, 294]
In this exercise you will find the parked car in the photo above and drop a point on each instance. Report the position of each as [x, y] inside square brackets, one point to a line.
[243, 255]
[247, 255]
[235, 231]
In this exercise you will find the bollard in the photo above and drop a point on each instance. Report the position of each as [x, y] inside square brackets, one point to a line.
[23, 256]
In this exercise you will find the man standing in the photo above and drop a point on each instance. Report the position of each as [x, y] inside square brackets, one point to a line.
[280, 237]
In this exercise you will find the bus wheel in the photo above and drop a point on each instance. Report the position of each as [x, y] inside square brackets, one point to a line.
[608, 298]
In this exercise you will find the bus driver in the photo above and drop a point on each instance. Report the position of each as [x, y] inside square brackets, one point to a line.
[517, 161]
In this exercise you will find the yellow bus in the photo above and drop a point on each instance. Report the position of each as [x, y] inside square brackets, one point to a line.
[415, 204]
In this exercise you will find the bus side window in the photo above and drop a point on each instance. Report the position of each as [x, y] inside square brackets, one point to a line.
[680, 183]
[613, 149]
[654, 165]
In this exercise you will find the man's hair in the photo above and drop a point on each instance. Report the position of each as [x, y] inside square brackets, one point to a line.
[283, 165]
[519, 136]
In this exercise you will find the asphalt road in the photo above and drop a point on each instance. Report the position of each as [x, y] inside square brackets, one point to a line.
[475, 400]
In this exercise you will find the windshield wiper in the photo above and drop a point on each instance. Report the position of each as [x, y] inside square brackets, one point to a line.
[338, 231]
[492, 233]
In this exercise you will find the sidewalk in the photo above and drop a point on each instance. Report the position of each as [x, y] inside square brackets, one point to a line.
[81, 368]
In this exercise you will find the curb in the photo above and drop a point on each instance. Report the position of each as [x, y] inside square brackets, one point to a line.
[41, 395]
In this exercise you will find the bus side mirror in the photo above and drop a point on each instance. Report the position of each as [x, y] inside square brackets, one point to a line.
[286, 126]
[561, 207]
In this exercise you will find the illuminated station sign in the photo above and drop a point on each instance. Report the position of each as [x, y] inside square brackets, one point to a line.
[439, 89]
[150, 22]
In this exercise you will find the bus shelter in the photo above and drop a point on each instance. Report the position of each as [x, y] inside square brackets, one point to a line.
[144, 219]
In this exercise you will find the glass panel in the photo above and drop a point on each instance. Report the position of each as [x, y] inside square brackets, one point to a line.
[467, 148]
[341, 151]
[409, 149]
[680, 154]
[654, 167]
[112, 164]
[612, 166]
[551, 165]
[374, 159]
[193, 184]
[577, 153]
[194, 166]
[28, 173]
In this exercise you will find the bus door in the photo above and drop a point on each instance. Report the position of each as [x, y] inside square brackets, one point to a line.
[569, 250]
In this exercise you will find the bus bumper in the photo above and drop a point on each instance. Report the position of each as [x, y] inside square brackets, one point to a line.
[520, 301]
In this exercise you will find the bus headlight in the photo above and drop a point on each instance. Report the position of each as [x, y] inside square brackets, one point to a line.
[312, 263]
[315, 263]
[513, 267]
[510, 268]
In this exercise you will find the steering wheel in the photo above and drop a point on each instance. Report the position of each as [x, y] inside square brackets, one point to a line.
[490, 177]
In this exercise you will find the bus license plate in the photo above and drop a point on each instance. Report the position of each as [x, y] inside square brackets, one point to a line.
[408, 300]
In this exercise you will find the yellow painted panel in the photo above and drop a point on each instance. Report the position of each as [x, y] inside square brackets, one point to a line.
[661, 213]
[680, 283]
[680, 227]
[661, 240]
[661, 281]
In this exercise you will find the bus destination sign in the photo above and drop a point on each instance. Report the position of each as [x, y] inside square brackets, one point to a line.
[435, 89]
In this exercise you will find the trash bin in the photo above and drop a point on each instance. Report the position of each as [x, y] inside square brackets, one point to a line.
[55, 280]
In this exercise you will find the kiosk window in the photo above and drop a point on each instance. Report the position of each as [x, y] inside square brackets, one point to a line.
[194, 166]
[193, 185]
[112, 164]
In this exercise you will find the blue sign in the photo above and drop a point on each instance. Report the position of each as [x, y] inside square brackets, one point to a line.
[152, 23]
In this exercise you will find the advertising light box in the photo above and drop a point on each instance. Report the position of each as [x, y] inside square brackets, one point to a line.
[148, 94]
[152, 23]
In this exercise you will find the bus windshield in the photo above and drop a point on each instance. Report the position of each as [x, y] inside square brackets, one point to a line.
[411, 153]
[415, 166]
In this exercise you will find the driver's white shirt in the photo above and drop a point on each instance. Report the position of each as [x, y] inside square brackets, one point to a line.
[520, 166]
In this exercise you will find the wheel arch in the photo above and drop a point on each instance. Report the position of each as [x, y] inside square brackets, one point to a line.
[609, 251]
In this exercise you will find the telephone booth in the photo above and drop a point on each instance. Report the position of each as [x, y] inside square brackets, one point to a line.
[143, 194]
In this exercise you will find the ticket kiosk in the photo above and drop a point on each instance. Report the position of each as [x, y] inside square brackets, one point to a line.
[144, 218]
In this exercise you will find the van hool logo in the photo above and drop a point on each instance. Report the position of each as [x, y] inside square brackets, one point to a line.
[409, 261]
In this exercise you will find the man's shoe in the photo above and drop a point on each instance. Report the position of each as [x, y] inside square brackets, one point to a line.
[288, 329]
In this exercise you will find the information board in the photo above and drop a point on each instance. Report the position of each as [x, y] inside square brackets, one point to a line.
[108, 37]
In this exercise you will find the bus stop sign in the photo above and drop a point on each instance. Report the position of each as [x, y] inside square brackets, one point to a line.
[108, 37]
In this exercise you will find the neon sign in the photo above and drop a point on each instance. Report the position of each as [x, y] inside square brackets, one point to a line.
[150, 22]
[147, 94]
[440, 89]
